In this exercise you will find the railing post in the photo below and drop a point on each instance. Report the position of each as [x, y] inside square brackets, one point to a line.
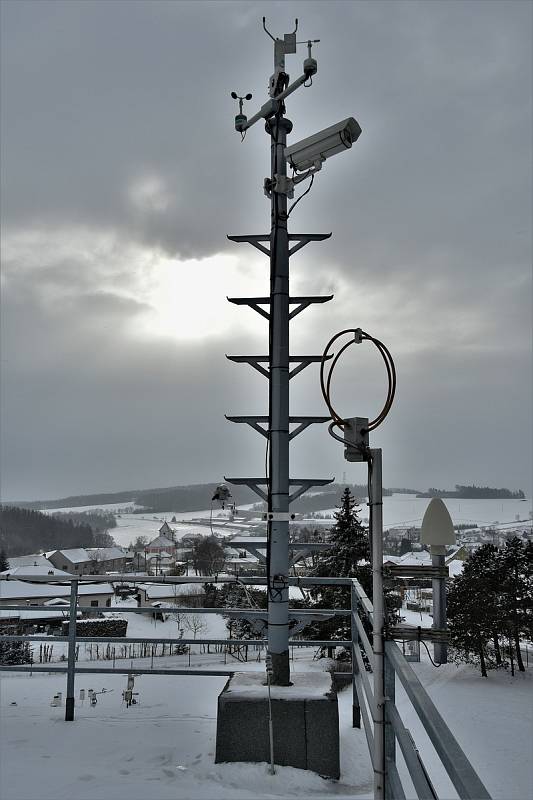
[376, 512]
[71, 663]
[356, 710]
[390, 737]
[440, 649]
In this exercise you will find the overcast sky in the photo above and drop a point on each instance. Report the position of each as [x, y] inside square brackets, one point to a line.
[122, 175]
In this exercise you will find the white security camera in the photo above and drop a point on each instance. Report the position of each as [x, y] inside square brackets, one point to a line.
[311, 152]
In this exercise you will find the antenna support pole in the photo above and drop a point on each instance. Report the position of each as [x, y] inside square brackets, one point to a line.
[278, 488]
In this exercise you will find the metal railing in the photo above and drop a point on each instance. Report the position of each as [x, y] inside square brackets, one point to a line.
[388, 727]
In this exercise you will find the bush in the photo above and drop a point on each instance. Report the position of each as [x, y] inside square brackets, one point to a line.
[98, 627]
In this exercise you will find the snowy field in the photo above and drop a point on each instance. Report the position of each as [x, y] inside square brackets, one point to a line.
[164, 746]
[398, 510]
[406, 509]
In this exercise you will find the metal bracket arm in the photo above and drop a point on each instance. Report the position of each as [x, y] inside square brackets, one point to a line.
[252, 483]
[303, 483]
[255, 423]
[301, 303]
[301, 238]
[256, 361]
[305, 302]
[253, 361]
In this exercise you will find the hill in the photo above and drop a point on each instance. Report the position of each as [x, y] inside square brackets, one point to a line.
[24, 531]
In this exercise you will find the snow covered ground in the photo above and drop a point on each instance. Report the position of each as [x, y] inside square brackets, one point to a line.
[129, 526]
[164, 746]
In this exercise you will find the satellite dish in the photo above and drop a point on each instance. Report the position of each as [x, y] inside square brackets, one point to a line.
[437, 525]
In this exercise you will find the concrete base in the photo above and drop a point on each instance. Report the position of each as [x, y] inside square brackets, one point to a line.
[305, 722]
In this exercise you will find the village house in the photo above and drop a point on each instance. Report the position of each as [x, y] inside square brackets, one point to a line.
[184, 594]
[31, 560]
[109, 559]
[76, 560]
[14, 592]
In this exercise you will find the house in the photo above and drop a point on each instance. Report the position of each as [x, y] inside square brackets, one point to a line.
[31, 560]
[160, 553]
[15, 592]
[184, 594]
[161, 544]
[76, 561]
[109, 559]
[35, 570]
[159, 563]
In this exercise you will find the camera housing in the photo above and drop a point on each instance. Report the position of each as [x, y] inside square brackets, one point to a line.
[315, 149]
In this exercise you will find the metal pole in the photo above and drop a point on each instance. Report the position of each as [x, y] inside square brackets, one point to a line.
[376, 509]
[278, 494]
[390, 738]
[440, 649]
[356, 709]
[71, 661]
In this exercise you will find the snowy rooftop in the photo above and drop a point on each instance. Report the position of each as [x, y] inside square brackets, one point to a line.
[76, 555]
[21, 589]
[35, 570]
[33, 559]
[161, 541]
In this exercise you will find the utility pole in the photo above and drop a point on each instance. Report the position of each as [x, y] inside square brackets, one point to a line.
[306, 158]
[278, 401]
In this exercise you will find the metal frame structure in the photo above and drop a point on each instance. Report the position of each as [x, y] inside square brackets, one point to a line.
[279, 367]
[387, 727]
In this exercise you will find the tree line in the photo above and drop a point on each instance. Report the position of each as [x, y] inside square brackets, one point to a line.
[474, 492]
[23, 531]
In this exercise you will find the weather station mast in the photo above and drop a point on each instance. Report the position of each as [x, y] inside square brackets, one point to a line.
[277, 488]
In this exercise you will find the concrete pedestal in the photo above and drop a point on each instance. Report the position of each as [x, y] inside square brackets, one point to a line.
[305, 722]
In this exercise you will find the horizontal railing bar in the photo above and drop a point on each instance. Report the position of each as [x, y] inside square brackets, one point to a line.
[462, 774]
[170, 609]
[367, 724]
[364, 677]
[126, 577]
[364, 638]
[423, 788]
[395, 782]
[118, 671]
[415, 571]
[153, 640]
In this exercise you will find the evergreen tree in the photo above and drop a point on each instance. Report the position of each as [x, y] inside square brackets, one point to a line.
[15, 653]
[348, 557]
[208, 555]
[516, 590]
[475, 610]
[4, 563]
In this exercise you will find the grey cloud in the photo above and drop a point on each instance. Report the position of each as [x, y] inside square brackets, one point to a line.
[117, 136]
